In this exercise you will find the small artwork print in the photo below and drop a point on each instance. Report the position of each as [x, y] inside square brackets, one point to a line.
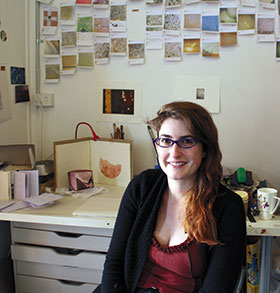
[118, 45]
[69, 62]
[86, 59]
[68, 39]
[172, 22]
[228, 15]
[191, 45]
[266, 26]
[50, 18]
[3, 36]
[52, 71]
[52, 47]
[172, 50]
[267, 1]
[118, 13]
[246, 22]
[154, 19]
[210, 23]
[101, 25]
[84, 24]
[210, 49]
[192, 21]
[102, 50]
[154, 2]
[228, 39]
[200, 93]
[83, 2]
[101, 2]
[108, 169]
[118, 101]
[22, 93]
[277, 49]
[66, 13]
[136, 51]
[172, 3]
[17, 75]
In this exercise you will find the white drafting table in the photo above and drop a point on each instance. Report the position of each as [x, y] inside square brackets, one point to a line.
[93, 212]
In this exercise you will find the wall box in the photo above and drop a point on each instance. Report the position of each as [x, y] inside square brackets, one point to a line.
[109, 159]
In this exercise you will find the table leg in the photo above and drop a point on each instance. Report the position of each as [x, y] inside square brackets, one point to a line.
[266, 260]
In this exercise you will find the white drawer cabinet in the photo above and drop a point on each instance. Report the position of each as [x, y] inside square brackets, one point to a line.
[43, 285]
[58, 258]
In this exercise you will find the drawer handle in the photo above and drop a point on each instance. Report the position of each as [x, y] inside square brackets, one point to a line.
[73, 283]
[69, 251]
[69, 235]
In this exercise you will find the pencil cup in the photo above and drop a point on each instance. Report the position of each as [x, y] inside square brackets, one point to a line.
[268, 202]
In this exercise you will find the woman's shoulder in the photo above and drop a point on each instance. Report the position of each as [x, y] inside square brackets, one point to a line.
[228, 199]
[225, 194]
[148, 175]
[144, 184]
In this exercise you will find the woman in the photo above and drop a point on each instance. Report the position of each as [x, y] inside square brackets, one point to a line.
[178, 229]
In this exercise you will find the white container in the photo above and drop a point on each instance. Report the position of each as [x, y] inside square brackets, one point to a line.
[245, 197]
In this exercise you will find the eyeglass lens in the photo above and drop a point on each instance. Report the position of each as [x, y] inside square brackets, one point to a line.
[183, 142]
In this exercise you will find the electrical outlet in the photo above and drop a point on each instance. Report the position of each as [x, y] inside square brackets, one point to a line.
[36, 100]
[44, 100]
[47, 100]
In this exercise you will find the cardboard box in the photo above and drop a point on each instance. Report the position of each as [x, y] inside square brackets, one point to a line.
[18, 156]
[14, 157]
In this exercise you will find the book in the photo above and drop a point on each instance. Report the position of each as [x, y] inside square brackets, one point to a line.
[26, 183]
[5, 185]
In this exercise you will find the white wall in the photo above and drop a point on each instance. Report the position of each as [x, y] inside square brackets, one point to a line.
[13, 53]
[248, 123]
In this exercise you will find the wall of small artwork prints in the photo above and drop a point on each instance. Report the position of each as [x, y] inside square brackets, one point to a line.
[171, 51]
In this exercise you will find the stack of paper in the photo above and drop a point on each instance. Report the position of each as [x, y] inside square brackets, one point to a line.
[7, 206]
[43, 199]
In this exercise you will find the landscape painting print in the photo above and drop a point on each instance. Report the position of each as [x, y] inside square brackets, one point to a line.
[119, 101]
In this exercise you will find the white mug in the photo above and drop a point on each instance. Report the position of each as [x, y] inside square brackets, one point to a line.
[267, 202]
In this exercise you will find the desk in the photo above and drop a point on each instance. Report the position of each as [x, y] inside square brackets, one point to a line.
[61, 214]
[56, 251]
[267, 229]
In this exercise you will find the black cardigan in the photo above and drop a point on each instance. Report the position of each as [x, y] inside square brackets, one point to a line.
[134, 228]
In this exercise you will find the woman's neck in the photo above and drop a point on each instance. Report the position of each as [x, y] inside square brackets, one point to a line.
[179, 189]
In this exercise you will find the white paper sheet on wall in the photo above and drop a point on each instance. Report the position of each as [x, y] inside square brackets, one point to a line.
[203, 90]
[5, 105]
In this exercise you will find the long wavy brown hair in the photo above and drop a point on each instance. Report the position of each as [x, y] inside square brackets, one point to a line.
[199, 220]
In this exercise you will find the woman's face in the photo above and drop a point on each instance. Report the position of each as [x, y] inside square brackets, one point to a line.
[178, 163]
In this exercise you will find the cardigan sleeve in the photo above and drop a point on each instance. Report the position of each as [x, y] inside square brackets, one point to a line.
[113, 279]
[113, 273]
[225, 259]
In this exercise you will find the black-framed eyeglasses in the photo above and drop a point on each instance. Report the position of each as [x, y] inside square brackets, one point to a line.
[185, 143]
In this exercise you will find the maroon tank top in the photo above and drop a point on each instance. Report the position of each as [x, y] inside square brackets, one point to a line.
[172, 269]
